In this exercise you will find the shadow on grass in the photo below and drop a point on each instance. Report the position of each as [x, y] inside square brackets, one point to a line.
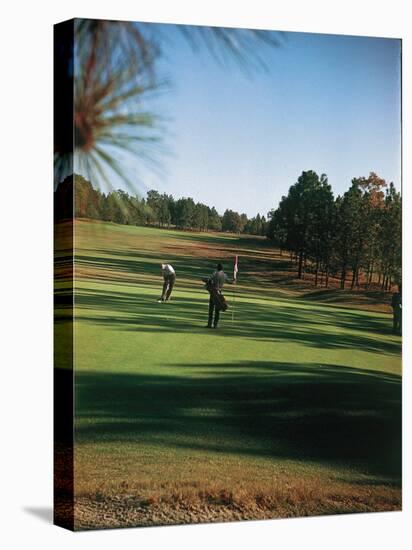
[324, 413]
[241, 240]
[257, 267]
[320, 328]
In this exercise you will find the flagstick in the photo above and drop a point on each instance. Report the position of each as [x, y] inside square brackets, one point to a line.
[235, 270]
[233, 309]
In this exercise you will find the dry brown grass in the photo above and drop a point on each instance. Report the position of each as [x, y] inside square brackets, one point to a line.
[177, 504]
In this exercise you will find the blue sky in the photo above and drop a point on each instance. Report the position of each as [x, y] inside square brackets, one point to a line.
[327, 103]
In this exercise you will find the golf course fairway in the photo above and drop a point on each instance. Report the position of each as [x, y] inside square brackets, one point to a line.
[291, 407]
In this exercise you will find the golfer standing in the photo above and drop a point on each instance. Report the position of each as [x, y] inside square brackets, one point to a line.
[169, 278]
[216, 301]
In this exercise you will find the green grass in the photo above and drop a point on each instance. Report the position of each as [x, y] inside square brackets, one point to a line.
[289, 389]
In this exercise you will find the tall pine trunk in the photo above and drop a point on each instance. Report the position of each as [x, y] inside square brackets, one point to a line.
[343, 277]
[353, 277]
[383, 281]
[300, 265]
[370, 275]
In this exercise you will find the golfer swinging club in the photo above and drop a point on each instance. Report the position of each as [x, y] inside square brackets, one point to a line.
[169, 278]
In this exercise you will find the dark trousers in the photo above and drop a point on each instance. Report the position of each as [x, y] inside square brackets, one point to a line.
[168, 285]
[397, 320]
[215, 310]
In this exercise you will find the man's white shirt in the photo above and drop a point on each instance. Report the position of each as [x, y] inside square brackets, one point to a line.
[168, 270]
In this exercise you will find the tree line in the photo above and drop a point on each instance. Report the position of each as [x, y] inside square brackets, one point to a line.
[356, 237]
[155, 209]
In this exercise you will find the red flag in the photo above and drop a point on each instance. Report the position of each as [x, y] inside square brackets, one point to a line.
[235, 269]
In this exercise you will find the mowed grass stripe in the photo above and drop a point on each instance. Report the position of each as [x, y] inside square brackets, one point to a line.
[306, 388]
